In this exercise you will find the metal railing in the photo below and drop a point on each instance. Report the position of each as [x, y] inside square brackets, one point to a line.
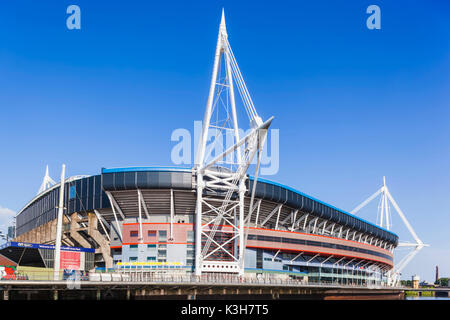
[210, 279]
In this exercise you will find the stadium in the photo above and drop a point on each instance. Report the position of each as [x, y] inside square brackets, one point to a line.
[144, 218]
[208, 219]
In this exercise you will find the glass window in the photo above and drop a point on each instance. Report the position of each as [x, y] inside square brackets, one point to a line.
[151, 246]
[151, 258]
[133, 259]
[162, 235]
[133, 233]
[190, 262]
[162, 253]
[152, 233]
[259, 258]
[190, 236]
[133, 247]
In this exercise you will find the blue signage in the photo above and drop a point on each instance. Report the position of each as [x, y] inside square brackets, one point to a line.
[43, 246]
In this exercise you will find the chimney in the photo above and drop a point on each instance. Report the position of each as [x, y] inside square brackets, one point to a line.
[437, 273]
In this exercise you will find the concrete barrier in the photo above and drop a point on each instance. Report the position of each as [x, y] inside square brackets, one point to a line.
[105, 277]
[94, 276]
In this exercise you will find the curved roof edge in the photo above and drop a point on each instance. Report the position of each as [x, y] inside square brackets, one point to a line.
[320, 201]
[152, 168]
[189, 169]
[56, 185]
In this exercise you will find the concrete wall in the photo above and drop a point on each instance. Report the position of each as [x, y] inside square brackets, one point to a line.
[45, 233]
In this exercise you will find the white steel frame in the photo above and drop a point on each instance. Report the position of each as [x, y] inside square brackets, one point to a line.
[230, 210]
[47, 182]
[393, 276]
[57, 260]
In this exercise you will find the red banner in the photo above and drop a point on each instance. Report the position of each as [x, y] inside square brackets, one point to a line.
[70, 260]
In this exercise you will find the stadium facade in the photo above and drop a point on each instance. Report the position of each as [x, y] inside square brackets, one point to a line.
[289, 233]
[212, 218]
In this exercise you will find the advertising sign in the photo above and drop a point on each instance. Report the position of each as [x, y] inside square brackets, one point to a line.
[70, 260]
[7, 273]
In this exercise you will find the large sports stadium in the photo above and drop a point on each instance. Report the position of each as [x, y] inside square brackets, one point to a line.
[211, 218]
[145, 218]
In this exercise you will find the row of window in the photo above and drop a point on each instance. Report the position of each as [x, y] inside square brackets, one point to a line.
[149, 259]
[162, 235]
[317, 244]
[160, 253]
[275, 260]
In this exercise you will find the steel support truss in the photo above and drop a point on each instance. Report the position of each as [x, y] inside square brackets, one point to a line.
[220, 218]
[393, 276]
[47, 182]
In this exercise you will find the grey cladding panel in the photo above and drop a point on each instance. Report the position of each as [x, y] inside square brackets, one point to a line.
[147, 180]
[108, 181]
[130, 180]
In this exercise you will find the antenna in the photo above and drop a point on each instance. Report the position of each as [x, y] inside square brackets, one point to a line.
[386, 198]
[47, 182]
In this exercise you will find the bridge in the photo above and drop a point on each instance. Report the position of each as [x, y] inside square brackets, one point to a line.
[437, 292]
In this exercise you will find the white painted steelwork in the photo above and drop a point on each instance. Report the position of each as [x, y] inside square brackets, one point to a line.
[211, 213]
[57, 260]
[386, 222]
[47, 182]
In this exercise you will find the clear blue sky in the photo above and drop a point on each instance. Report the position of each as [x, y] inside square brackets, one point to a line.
[351, 104]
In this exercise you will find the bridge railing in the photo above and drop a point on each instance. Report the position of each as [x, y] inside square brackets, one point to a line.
[149, 277]
[137, 276]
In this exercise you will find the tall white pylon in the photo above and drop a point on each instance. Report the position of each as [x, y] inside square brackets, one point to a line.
[47, 182]
[59, 222]
[219, 224]
[386, 222]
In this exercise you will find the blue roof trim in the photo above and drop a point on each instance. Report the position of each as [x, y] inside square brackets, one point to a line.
[133, 169]
[317, 200]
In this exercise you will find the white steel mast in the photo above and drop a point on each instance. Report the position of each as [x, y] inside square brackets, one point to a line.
[224, 215]
[47, 182]
[386, 222]
[57, 260]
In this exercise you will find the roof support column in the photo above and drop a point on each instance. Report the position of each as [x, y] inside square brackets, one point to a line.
[112, 201]
[278, 217]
